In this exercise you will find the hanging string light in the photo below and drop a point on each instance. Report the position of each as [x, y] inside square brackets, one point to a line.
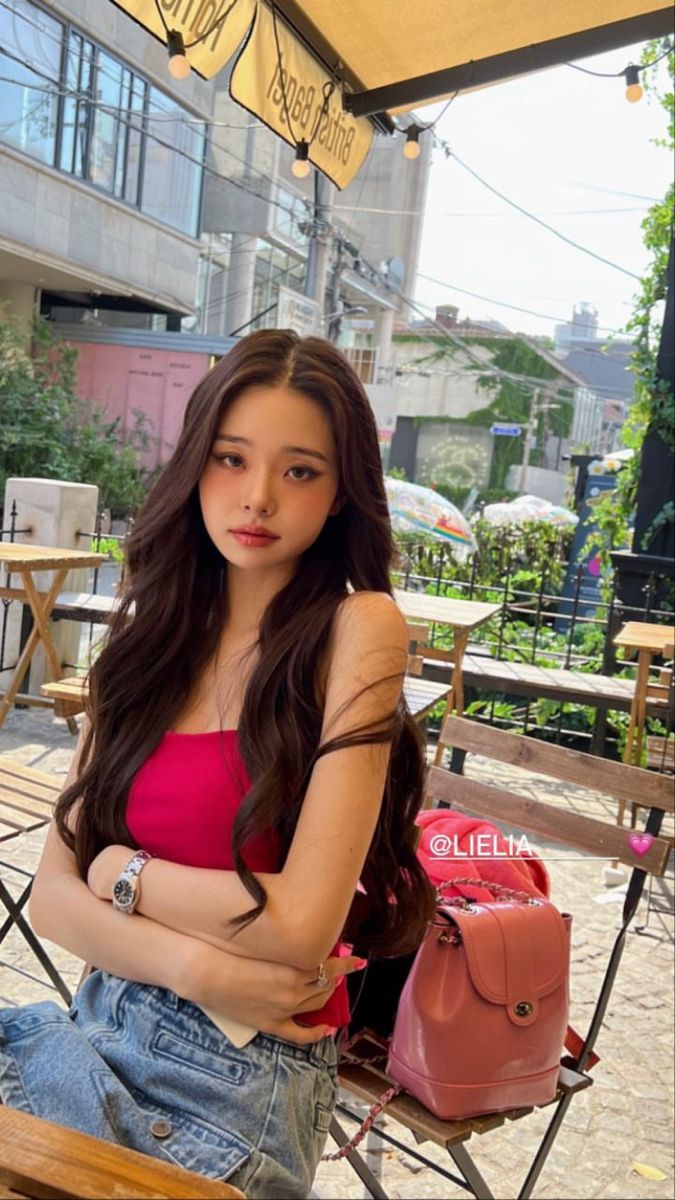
[411, 146]
[412, 142]
[631, 74]
[179, 65]
[301, 164]
[634, 90]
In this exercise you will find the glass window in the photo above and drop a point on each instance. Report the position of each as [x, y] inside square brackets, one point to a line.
[135, 95]
[77, 110]
[116, 131]
[174, 156]
[31, 63]
[106, 153]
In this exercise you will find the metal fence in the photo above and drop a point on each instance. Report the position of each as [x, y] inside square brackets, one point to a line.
[535, 625]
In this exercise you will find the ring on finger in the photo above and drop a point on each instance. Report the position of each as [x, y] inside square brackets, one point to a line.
[322, 979]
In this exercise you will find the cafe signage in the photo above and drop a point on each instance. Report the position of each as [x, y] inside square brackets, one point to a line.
[289, 90]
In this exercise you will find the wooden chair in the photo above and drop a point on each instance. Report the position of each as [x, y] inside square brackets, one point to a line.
[542, 820]
[27, 799]
[40, 1159]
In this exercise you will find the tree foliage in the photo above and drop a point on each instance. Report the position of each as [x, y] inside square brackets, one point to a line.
[653, 406]
[47, 431]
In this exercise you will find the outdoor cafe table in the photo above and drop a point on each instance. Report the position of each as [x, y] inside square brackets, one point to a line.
[26, 562]
[647, 639]
[462, 617]
[70, 695]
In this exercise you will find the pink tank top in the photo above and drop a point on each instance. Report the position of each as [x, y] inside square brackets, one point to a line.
[182, 805]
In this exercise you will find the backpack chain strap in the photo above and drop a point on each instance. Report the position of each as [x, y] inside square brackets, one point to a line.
[373, 1112]
[502, 892]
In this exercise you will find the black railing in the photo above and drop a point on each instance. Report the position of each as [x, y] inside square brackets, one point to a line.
[535, 625]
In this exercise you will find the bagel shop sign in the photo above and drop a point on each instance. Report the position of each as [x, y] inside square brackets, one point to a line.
[291, 93]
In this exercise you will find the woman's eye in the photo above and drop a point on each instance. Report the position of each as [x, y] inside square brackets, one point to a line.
[305, 473]
[229, 460]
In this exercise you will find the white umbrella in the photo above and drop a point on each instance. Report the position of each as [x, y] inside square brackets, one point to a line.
[528, 508]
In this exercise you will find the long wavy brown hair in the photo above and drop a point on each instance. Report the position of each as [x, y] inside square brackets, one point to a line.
[176, 585]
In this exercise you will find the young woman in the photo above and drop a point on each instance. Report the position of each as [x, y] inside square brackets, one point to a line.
[247, 734]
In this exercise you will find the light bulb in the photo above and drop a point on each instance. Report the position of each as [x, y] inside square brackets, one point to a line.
[634, 90]
[179, 67]
[301, 163]
[412, 145]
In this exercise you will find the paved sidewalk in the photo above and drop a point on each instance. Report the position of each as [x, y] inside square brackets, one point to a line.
[626, 1117]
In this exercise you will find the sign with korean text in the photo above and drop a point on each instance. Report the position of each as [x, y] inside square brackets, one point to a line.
[505, 430]
[298, 312]
[224, 21]
[288, 91]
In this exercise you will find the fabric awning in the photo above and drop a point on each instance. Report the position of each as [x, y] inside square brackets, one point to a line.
[401, 56]
[354, 65]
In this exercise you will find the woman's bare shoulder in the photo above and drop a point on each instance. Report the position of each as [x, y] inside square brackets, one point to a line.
[371, 615]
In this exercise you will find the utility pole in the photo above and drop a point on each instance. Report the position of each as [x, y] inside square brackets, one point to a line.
[318, 250]
[529, 437]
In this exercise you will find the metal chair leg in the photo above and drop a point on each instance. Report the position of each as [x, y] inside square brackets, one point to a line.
[357, 1163]
[14, 907]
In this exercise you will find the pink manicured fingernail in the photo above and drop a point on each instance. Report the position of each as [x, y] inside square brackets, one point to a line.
[360, 964]
[333, 1029]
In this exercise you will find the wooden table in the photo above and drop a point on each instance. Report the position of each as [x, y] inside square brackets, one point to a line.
[462, 616]
[70, 695]
[647, 639]
[27, 561]
[424, 694]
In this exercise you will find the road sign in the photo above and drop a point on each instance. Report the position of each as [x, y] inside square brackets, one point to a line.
[506, 430]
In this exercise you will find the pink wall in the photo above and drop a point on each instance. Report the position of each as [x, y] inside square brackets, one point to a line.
[159, 382]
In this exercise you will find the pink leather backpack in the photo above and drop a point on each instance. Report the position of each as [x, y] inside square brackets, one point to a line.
[482, 1017]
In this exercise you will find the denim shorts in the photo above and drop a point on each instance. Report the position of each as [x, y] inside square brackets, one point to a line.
[136, 1065]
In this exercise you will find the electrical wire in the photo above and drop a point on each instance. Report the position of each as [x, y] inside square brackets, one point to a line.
[616, 74]
[504, 304]
[449, 153]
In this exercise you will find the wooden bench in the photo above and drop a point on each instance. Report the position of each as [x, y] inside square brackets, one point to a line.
[541, 820]
[603, 692]
[661, 753]
[27, 799]
[40, 1159]
[83, 606]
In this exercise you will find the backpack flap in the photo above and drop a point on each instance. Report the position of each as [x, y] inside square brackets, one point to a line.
[515, 953]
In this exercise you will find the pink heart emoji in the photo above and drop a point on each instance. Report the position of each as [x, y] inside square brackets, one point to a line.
[640, 842]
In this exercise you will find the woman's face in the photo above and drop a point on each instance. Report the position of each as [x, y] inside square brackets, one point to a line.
[273, 469]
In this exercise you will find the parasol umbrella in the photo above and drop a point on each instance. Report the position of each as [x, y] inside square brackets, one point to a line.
[416, 509]
[529, 508]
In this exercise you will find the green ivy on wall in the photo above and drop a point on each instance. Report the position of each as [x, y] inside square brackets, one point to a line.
[508, 400]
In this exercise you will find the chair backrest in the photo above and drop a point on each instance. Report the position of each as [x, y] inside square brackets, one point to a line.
[417, 632]
[547, 820]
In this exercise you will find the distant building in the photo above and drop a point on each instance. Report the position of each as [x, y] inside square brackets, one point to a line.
[582, 328]
[604, 364]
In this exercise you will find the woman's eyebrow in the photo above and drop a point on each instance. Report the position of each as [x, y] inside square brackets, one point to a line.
[241, 441]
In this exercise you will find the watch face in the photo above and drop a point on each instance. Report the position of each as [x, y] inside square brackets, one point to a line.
[123, 892]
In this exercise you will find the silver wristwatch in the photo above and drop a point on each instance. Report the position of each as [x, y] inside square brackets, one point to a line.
[126, 890]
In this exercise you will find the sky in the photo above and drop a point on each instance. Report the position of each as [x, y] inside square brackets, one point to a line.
[569, 148]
